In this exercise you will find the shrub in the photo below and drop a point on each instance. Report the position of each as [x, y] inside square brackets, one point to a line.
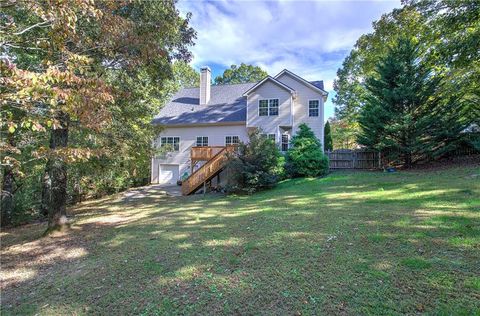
[255, 166]
[305, 157]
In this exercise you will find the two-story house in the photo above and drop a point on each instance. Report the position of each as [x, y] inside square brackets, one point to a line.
[214, 116]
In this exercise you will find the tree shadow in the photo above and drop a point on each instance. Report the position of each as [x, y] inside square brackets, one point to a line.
[308, 246]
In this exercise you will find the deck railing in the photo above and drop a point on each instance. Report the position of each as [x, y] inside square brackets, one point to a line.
[206, 172]
[204, 153]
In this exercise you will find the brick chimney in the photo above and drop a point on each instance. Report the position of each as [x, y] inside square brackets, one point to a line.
[205, 79]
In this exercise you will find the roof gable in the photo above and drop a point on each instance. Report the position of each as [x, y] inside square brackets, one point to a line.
[270, 79]
[315, 87]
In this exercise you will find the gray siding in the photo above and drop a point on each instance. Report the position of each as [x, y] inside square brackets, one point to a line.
[188, 137]
[300, 107]
[269, 124]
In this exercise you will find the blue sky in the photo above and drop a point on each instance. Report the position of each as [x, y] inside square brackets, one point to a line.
[310, 38]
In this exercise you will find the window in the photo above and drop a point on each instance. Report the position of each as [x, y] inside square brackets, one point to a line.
[313, 107]
[285, 141]
[270, 136]
[232, 140]
[268, 107]
[173, 142]
[263, 108]
[273, 107]
[202, 141]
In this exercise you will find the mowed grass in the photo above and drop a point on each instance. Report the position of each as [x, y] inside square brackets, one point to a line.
[349, 243]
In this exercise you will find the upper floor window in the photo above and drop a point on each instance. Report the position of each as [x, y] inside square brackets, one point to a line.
[173, 142]
[232, 140]
[313, 107]
[202, 141]
[268, 107]
[273, 107]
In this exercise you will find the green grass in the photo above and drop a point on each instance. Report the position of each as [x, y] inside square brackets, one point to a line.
[349, 243]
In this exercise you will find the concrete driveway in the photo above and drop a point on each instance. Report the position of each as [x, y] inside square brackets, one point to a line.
[141, 192]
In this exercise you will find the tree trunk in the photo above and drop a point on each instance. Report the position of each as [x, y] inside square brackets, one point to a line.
[7, 196]
[7, 191]
[46, 191]
[57, 176]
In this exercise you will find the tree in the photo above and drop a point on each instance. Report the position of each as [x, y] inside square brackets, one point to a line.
[344, 133]
[241, 74]
[405, 114]
[305, 157]
[327, 137]
[446, 34]
[184, 76]
[454, 30]
[369, 48]
[255, 165]
[85, 73]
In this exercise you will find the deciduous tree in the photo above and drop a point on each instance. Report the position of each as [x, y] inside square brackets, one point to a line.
[241, 74]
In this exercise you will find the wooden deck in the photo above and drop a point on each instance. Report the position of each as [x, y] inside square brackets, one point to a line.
[216, 157]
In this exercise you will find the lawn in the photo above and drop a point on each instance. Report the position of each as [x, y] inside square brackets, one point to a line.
[349, 243]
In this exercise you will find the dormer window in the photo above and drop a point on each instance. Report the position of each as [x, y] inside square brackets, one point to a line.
[268, 107]
[313, 107]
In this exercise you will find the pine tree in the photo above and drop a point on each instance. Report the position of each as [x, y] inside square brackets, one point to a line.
[404, 114]
[305, 157]
[327, 137]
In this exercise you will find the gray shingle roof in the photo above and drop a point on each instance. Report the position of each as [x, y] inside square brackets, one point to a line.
[227, 105]
[318, 84]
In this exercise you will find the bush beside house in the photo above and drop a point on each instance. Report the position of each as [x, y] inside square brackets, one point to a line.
[305, 157]
[258, 164]
[255, 166]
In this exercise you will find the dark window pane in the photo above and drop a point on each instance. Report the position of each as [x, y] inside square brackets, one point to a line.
[273, 107]
[263, 108]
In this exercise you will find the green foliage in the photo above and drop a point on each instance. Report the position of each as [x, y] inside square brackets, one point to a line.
[241, 74]
[106, 66]
[404, 114]
[327, 137]
[362, 60]
[446, 34]
[344, 133]
[305, 157]
[255, 166]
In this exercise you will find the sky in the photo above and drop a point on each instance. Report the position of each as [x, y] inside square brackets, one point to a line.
[310, 38]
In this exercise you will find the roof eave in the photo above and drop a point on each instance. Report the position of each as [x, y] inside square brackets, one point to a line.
[201, 124]
[325, 93]
[281, 84]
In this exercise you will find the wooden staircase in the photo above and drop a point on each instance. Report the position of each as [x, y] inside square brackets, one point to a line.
[217, 160]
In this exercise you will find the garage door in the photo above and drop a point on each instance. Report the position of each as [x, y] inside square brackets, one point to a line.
[168, 174]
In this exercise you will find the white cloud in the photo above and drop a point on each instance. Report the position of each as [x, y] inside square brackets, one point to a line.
[309, 38]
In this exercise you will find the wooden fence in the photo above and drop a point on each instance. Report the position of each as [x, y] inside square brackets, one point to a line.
[354, 159]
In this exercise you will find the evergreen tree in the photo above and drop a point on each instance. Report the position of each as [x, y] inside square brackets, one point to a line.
[404, 114]
[327, 137]
[305, 157]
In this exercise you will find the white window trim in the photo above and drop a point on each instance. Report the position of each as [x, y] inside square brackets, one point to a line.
[232, 139]
[278, 106]
[196, 141]
[259, 100]
[281, 142]
[308, 105]
[268, 106]
[179, 142]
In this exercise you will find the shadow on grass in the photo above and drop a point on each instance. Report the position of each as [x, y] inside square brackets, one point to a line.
[359, 243]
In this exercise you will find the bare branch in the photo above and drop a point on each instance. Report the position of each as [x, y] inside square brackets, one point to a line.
[41, 24]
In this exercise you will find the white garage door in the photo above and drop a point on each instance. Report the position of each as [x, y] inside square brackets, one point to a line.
[168, 174]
